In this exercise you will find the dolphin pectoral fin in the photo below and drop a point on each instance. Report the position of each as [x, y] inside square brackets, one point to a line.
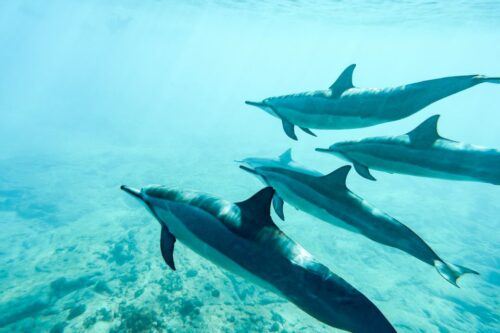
[451, 272]
[363, 171]
[289, 129]
[167, 241]
[343, 82]
[278, 206]
[308, 131]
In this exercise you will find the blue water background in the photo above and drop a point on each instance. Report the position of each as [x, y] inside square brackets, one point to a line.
[97, 94]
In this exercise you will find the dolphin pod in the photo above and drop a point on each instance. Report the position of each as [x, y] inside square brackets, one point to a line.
[421, 152]
[328, 198]
[344, 106]
[242, 238]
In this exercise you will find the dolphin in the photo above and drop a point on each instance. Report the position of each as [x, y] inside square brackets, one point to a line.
[285, 160]
[328, 198]
[343, 106]
[421, 152]
[242, 238]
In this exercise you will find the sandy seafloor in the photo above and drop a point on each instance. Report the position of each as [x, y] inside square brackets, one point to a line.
[78, 255]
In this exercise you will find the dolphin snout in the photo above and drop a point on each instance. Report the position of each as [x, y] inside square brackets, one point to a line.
[132, 191]
[257, 104]
[249, 170]
[242, 163]
[336, 150]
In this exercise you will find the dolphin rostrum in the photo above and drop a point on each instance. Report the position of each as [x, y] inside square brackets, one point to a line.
[242, 238]
[328, 198]
[421, 152]
[344, 106]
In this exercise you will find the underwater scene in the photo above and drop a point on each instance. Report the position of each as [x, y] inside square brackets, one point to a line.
[320, 166]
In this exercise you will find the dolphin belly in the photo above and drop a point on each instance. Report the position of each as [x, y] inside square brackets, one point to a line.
[356, 108]
[308, 201]
[179, 227]
[409, 168]
[327, 119]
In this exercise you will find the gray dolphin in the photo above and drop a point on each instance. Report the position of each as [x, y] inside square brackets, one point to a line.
[421, 152]
[328, 198]
[242, 238]
[344, 106]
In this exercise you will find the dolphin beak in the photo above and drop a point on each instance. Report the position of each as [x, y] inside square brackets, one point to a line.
[132, 191]
[252, 171]
[323, 150]
[257, 104]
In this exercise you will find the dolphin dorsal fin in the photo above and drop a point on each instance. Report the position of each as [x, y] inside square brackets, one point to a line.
[258, 207]
[336, 178]
[286, 157]
[425, 134]
[344, 82]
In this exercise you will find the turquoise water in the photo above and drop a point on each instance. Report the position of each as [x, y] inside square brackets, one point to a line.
[98, 94]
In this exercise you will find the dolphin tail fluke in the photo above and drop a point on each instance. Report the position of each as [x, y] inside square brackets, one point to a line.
[452, 272]
[482, 78]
